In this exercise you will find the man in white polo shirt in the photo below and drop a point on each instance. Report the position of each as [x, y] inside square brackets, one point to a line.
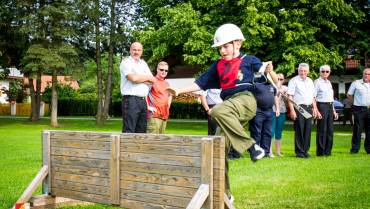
[359, 91]
[135, 79]
[324, 95]
[301, 91]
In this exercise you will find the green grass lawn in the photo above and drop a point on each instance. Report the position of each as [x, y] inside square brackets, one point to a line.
[339, 181]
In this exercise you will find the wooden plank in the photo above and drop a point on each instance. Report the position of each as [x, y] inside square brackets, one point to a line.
[81, 187]
[144, 205]
[81, 179]
[160, 169]
[104, 199]
[158, 189]
[171, 180]
[47, 201]
[165, 200]
[160, 139]
[80, 135]
[200, 197]
[75, 161]
[161, 159]
[169, 149]
[26, 195]
[227, 202]
[219, 173]
[207, 170]
[82, 153]
[114, 170]
[85, 144]
[46, 184]
[79, 170]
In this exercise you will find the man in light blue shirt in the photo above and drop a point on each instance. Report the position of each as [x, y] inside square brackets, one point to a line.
[359, 92]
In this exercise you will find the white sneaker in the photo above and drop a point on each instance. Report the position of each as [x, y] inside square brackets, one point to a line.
[231, 199]
[256, 152]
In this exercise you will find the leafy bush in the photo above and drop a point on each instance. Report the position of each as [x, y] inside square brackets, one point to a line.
[87, 107]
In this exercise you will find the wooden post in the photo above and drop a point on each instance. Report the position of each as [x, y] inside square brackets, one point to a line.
[114, 170]
[33, 186]
[207, 169]
[46, 184]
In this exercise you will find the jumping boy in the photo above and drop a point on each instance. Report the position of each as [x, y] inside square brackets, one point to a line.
[233, 74]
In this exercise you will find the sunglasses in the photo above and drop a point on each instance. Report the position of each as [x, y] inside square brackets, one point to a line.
[280, 79]
[325, 71]
[163, 70]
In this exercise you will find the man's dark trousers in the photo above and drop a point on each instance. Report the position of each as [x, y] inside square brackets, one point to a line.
[212, 125]
[362, 120]
[324, 136]
[260, 128]
[134, 114]
[302, 133]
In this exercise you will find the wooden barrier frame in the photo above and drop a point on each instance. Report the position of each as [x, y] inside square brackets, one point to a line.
[136, 170]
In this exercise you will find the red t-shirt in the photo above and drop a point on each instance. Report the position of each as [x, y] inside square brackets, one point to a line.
[158, 98]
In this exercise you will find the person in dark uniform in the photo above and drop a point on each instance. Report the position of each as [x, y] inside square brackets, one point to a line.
[324, 95]
[260, 127]
[359, 92]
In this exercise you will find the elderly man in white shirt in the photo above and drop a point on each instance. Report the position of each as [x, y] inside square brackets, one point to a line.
[359, 92]
[301, 91]
[135, 77]
[324, 95]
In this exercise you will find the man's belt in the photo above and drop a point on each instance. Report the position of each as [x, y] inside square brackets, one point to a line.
[133, 96]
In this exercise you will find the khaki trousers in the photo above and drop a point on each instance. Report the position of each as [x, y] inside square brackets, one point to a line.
[232, 116]
[156, 126]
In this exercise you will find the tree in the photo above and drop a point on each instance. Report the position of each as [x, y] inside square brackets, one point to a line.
[286, 32]
[51, 30]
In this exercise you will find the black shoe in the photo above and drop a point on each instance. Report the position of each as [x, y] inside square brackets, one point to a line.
[256, 152]
[353, 152]
[307, 155]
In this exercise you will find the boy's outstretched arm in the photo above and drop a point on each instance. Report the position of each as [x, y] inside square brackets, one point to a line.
[191, 88]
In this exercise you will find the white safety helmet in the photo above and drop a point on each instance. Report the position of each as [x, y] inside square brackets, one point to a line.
[227, 33]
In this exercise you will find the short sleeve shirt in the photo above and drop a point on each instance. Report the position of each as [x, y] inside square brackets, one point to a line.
[302, 90]
[323, 90]
[282, 107]
[212, 96]
[130, 66]
[361, 93]
[248, 66]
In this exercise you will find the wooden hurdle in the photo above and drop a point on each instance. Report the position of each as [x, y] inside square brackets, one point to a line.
[133, 171]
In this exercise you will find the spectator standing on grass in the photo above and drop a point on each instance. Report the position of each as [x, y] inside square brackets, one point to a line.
[135, 79]
[234, 74]
[159, 101]
[209, 99]
[301, 91]
[324, 95]
[359, 92]
[279, 115]
[347, 111]
[260, 126]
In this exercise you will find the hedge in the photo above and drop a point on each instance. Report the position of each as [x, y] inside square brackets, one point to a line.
[179, 110]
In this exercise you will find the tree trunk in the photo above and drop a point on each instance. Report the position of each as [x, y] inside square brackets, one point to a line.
[35, 97]
[33, 100]
[99, 76]
[54, 100]
[108, 88]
